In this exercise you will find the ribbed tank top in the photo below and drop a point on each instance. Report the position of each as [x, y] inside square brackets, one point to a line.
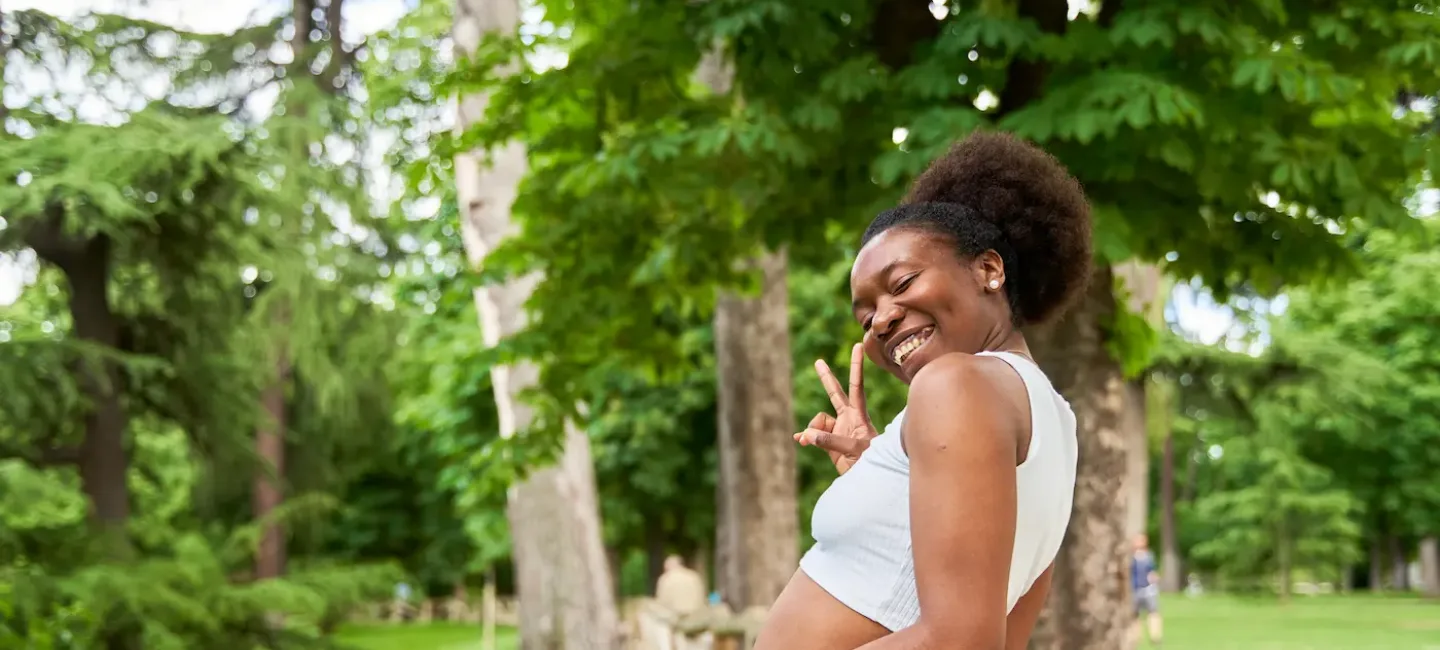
[861, 524]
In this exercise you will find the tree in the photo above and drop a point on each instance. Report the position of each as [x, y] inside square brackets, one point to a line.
[1315, 440]
[1284, 513]
[756, 494]
[1227, 140]
[1383, 311]
[270, 436]
[142, 226]
[564, 582]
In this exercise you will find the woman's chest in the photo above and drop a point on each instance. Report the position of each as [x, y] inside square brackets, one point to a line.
[870, 501]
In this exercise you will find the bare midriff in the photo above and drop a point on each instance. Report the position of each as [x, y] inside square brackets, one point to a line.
[806, 617]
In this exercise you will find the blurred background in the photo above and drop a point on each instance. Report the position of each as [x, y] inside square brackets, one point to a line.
[459, 324]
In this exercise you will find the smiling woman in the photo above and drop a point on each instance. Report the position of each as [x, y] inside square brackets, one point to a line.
[941, 530]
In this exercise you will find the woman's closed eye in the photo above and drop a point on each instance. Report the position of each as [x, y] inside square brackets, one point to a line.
[904, 284]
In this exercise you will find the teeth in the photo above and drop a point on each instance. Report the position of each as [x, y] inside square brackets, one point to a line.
[905, 349]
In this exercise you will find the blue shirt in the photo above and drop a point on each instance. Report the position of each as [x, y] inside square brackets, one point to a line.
[1142, 564]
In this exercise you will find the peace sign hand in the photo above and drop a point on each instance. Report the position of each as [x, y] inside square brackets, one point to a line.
[847, 434]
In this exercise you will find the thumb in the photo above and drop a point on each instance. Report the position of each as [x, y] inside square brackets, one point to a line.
[840, 444]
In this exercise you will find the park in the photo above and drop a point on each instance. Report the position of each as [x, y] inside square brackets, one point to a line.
[482, 324]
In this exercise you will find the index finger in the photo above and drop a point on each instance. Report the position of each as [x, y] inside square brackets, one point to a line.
[832, 385]
[857, 377]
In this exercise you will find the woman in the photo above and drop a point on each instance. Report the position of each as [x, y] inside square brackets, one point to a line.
[941, 534]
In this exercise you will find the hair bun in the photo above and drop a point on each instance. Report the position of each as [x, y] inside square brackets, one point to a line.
[1039, 208]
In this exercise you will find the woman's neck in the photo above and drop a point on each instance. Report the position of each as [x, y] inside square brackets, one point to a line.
[1008, 339]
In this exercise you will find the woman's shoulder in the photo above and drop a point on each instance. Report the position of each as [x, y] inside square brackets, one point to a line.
[968, 388]
[957, 375]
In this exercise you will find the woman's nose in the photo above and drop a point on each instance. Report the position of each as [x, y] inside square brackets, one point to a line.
[886, 320]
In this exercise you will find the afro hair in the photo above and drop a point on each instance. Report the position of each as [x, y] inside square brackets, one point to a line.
[993, 191]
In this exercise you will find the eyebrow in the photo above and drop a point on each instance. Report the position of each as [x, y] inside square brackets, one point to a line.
[884, 273]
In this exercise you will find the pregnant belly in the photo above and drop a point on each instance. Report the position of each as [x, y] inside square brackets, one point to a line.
[806, 617]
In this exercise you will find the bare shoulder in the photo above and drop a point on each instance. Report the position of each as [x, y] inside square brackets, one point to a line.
[959, 377]
[965, 394]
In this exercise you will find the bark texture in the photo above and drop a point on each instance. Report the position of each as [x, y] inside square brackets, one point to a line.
[1141, 284]
[756, 549]
[103, 457]
[1399, 575]
[269, 492]
[1137, 459]
[563, 579]
[1088, 604]
[1430, 566]
[1377, 566]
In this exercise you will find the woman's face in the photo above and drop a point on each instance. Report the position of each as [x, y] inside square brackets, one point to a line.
[917, 300]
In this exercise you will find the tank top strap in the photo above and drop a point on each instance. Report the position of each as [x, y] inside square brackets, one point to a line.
[1041, 396]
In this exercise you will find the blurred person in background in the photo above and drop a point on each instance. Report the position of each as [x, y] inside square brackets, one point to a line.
[1145, 590]
[679, 604]
[680, 589]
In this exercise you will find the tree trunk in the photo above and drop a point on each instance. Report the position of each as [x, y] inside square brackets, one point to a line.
[1141, 288]
[613, 561]
[758, 519]
[1283, 559]
[564, 583]
[1137, 461]
[1172, 568]
[700, 561]
[1192, 472]
[566, 595]
[1430, 565]
[487, 611]
[654, 553]
[1088, 606]
[757, 513]
[103, 458]
[1398, 574]
[269, 478]
[1377, 565]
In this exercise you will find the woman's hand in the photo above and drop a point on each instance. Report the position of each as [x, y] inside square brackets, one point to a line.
[847, 434]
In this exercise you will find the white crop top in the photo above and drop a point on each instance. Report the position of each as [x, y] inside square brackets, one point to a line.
[861, 524]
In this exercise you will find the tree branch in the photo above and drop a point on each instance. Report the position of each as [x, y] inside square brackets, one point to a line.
[1025, 77]
[45, 456]
[341, 60]
[48, 238]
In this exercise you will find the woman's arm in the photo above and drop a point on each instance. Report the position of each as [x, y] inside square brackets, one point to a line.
[1021, 622]
[961, 433]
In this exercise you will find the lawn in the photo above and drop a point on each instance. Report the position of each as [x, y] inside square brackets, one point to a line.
[1207, 623]
[1307, 623]
[437, 636]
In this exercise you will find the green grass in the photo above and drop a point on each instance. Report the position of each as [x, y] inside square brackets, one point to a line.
[435, 636]
[1307, 623]
[1206, 623]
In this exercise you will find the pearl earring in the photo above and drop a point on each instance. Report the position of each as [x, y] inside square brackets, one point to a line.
[994, 284]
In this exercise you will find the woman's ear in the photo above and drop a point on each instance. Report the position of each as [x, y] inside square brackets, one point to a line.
[991, 271]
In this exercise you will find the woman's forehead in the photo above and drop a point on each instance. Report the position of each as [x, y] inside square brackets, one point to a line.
[891, 248]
